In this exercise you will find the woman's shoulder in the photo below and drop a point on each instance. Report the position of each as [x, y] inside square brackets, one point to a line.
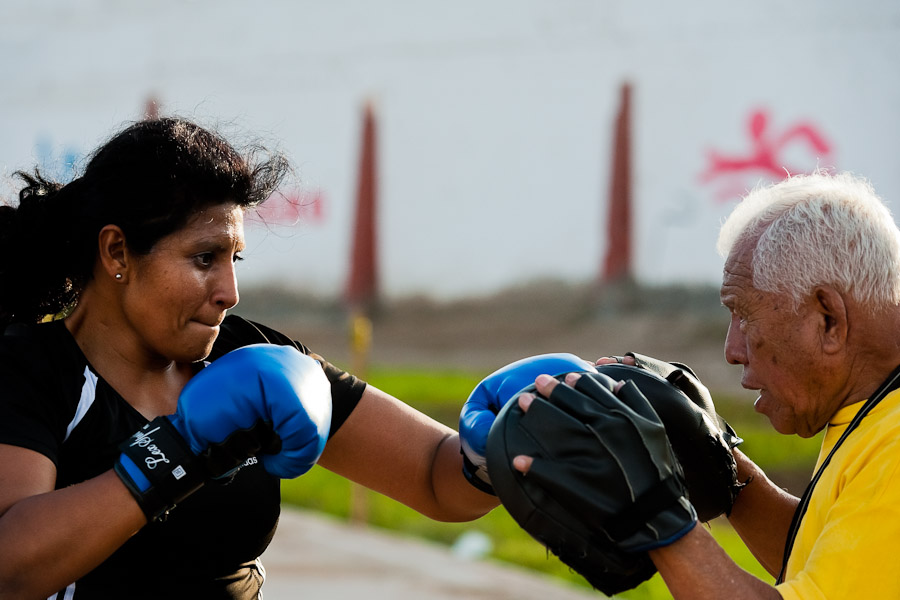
[40, 358]
[42, 372]
[38, 345]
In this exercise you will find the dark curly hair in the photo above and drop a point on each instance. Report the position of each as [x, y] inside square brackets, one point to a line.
[149, 179]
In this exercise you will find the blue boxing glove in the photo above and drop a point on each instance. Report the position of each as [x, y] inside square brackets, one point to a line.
[261, 400]
[480, 410]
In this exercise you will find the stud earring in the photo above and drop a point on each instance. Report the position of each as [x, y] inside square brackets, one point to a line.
[118, 276]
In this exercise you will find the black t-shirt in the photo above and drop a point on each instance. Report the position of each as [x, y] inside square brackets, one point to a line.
[53, 402]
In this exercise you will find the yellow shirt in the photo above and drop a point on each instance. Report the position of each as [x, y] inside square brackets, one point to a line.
[848, 544]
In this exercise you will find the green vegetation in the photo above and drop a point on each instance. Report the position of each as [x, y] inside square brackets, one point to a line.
[440, 394]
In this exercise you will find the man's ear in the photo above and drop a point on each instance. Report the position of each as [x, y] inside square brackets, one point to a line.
[112, 252]
[835, 317]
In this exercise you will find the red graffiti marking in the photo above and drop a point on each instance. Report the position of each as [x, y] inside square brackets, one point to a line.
[766, 155]
[292, 207]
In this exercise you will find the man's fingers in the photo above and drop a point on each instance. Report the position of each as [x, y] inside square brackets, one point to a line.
[572, 379]
[545, 384]
[608, 360]
[522, 463]
[525, 400]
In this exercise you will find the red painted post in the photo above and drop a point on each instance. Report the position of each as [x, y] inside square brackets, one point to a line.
[362, 284]
[617, 263]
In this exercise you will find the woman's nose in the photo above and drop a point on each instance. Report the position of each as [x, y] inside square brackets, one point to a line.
[226, 293]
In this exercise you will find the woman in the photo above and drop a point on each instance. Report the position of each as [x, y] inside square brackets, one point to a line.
[135, 259]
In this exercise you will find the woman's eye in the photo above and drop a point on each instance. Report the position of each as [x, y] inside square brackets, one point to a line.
[237, 258]
[204, 259]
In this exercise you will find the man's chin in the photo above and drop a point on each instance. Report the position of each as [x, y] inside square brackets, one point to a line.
[782, 428]
[791, 426]
[779, 424]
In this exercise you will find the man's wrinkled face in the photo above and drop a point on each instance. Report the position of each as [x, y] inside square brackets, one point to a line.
[778, 347]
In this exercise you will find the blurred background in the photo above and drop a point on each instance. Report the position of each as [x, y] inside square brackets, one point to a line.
[480, 181]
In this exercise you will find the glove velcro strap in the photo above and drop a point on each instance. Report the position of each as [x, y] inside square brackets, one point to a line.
[158, 468]
[223, 458]
[478, 477]
[658, 498]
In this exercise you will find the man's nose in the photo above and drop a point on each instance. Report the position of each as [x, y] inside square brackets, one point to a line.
[735, 345]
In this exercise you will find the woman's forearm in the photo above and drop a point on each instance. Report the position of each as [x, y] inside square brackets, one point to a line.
[49, 540]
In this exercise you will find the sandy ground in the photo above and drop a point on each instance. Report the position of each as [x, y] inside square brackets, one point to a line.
[316, 557]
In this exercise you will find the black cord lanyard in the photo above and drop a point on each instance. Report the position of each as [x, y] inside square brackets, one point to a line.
[889, 385]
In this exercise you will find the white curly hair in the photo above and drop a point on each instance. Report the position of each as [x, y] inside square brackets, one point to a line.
[819, 229]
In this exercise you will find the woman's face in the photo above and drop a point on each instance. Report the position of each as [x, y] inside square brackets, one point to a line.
[179, 292]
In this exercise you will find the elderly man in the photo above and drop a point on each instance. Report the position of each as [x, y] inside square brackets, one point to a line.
[812, 282]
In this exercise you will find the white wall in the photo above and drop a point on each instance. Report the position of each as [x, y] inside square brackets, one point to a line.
[495, 117]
